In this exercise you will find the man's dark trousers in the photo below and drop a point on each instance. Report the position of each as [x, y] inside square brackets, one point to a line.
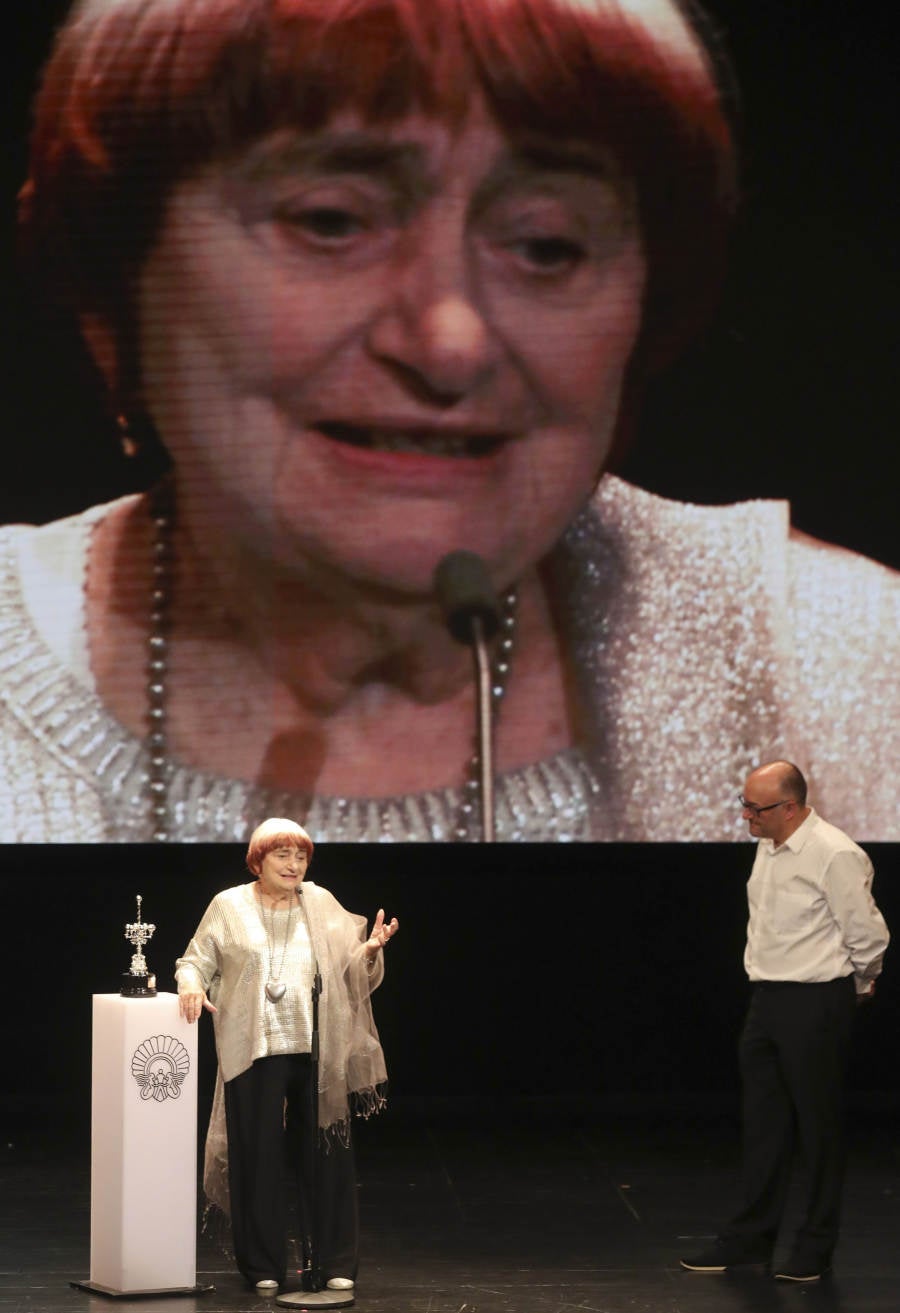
[793, 1057]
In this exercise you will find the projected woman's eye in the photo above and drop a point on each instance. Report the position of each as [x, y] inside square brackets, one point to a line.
[325, 223]
[354, 308]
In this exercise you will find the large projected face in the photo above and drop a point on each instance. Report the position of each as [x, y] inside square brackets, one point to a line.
[387, 280]
[366, 348]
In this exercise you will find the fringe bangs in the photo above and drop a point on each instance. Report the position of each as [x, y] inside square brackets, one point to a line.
[139, 94]
[201, 79]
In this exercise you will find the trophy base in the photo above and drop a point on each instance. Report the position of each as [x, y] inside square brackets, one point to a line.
[137, 986]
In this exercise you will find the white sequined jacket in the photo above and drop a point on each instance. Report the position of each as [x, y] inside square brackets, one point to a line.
[702, 641]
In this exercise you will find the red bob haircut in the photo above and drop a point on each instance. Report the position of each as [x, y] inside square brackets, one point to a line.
[274, 833]
[140, 94]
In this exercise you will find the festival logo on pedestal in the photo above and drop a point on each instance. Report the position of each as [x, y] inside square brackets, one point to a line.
[160, 1066]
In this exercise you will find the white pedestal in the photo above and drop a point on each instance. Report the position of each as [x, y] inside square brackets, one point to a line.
[143, 1147]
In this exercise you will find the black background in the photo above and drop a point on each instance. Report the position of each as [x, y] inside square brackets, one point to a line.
[606, 973]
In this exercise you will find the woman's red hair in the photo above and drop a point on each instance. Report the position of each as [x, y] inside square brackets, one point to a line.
[140, 94]
[274, 833]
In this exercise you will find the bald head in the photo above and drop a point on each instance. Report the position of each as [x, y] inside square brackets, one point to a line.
[775, 800]
[785, 777]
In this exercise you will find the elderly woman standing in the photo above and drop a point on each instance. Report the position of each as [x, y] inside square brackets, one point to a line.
[384, 279]
[253, 963]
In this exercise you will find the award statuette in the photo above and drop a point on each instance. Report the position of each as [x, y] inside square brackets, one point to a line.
[137, 983]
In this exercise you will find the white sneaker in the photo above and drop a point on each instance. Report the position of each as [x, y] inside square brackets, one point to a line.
[339, 1283]
[268, 1286]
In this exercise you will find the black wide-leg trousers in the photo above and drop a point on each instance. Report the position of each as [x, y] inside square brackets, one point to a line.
[793, 1058]
[271, 1143]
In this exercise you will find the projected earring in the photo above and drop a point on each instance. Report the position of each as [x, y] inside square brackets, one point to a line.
[127, 441]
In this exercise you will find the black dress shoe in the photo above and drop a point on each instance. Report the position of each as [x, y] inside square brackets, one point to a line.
[724, 1254]
[802, 1269]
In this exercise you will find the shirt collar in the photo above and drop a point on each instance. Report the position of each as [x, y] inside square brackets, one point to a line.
[794, 841]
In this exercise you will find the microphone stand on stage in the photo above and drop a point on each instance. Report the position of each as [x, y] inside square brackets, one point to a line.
[472, 615]
[316, 1297]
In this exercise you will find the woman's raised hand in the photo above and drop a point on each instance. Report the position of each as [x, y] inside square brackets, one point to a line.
[382, 932]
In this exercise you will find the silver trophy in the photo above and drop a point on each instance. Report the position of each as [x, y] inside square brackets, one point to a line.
[138, 983]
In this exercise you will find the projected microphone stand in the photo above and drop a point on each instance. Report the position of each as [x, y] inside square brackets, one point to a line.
[482, 664]
[471, 613]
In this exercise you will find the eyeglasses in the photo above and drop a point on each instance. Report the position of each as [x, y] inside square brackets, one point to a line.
[757, 810]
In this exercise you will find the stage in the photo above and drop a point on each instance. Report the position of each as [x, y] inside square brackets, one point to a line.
[560, 1026]
[502, 1207]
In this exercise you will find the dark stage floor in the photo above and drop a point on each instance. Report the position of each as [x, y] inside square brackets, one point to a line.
[523, 1208]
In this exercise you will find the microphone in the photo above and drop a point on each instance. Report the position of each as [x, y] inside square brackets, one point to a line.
[472, 615]
[466, 594]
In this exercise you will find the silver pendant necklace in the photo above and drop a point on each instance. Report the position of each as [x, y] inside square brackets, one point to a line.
[275, 986]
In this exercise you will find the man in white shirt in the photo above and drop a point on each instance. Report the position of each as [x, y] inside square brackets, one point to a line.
[815, 944]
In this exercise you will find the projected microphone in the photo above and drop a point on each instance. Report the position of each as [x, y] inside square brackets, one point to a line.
[472, 615]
